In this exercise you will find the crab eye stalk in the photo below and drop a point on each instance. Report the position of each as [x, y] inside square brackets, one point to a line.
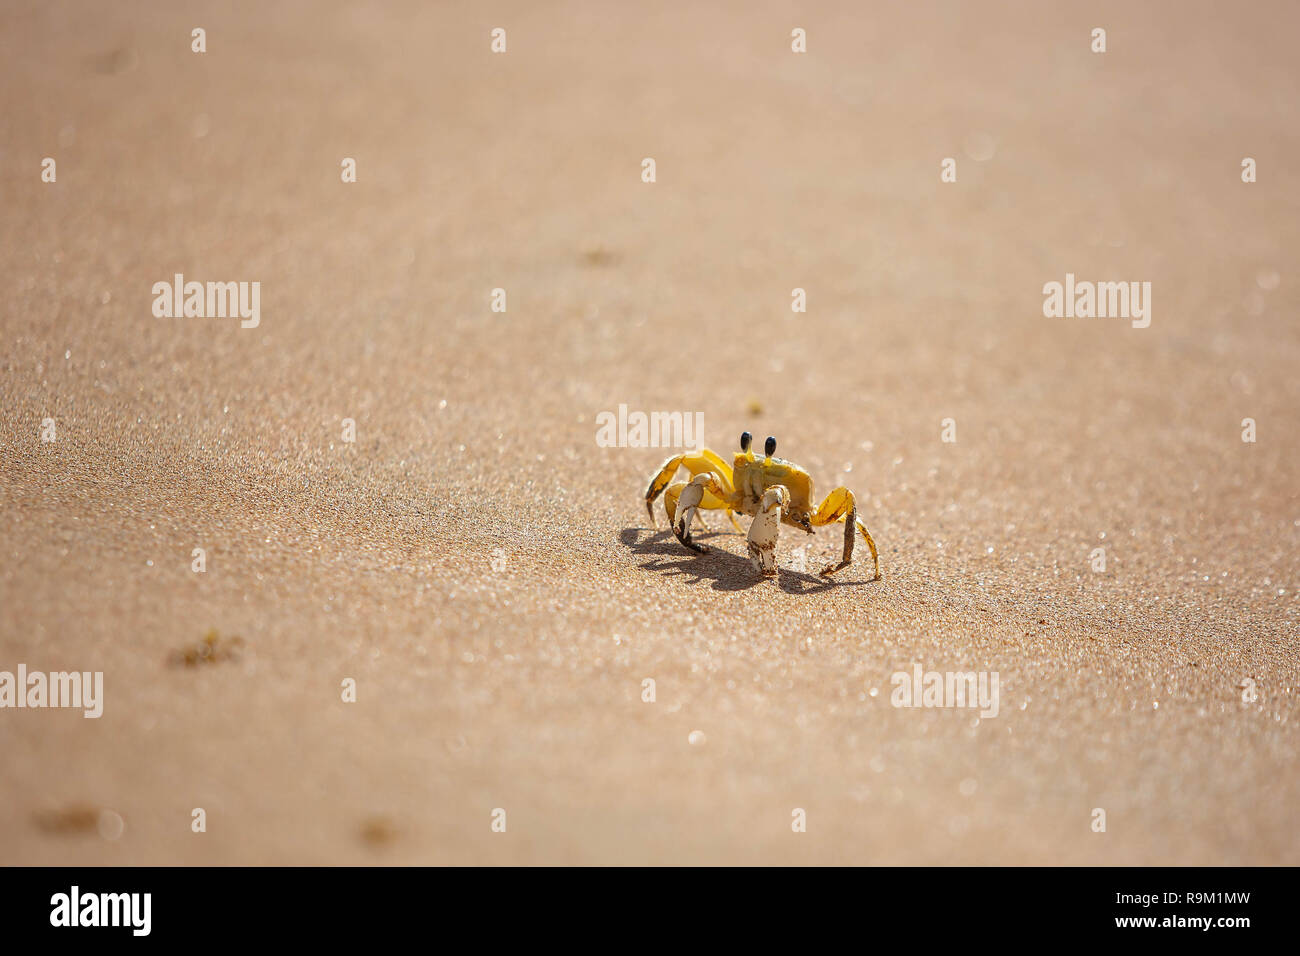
[769, 446]
[745, 439]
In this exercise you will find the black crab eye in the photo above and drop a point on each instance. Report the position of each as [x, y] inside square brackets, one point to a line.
[745, 439]
[769, 446]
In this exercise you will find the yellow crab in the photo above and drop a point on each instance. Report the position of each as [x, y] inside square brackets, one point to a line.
[774, 491]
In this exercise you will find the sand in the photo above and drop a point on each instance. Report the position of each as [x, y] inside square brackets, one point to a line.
[518, 686]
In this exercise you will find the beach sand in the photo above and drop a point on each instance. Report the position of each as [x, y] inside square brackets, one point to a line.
[486, 573]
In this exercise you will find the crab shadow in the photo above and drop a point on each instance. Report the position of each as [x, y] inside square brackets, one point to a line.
[727, 571]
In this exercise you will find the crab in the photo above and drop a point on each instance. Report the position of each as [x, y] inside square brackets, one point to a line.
[770, 489]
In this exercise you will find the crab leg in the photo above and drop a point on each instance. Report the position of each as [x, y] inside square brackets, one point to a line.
[840, 505]
[688, 503]
[658, 482]
[697, 463]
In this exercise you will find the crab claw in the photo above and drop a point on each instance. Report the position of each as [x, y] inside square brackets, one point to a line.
[765, 529]
[688, 503]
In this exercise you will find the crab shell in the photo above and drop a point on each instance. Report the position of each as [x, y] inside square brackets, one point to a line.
[754, 476]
